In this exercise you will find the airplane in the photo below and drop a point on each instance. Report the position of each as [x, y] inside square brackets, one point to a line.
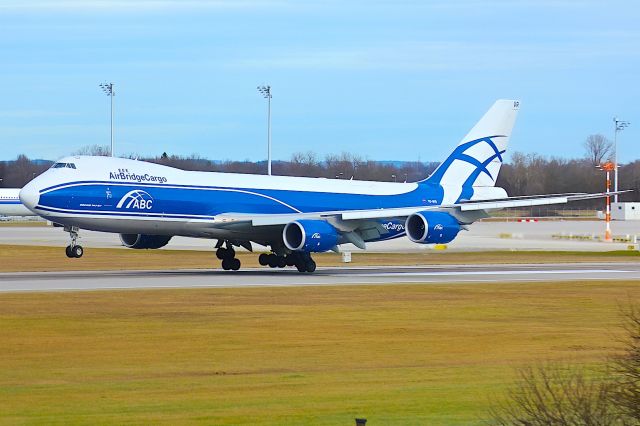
[148, 204]
[10, 204]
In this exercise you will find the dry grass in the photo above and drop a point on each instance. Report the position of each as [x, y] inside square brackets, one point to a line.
[431, 354]
[16, 258]
[23, 223]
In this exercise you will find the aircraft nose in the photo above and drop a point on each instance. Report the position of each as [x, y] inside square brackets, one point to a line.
[30, 195]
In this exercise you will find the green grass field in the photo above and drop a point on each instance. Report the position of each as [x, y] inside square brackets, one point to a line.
[396, 354]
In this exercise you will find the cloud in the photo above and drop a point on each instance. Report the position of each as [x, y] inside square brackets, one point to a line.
[442, 56]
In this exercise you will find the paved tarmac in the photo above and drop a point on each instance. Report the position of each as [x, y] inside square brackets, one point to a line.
[264, 277]
[481, 236]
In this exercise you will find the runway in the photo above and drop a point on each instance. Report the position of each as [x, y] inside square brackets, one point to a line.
[263, 277]
[481, 236]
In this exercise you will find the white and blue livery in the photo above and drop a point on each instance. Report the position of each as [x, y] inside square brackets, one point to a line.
[147, 203]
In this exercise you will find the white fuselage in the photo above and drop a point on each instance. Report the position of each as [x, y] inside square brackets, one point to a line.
[10, 204]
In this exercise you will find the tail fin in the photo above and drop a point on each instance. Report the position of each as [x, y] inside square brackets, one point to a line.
[477, 159]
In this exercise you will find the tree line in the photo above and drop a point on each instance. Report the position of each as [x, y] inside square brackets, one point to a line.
[524, 174]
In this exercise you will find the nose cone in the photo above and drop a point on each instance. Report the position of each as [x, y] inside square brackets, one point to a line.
[30, 196]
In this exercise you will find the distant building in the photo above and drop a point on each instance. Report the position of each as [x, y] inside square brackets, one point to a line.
[625, 211]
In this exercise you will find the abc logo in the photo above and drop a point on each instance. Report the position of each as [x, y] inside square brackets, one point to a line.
[136, 199]
[142, 204]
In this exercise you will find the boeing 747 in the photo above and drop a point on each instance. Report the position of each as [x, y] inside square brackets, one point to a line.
[148, 204]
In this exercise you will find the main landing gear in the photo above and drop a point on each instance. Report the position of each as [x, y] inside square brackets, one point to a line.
[228, 257]
[73, 250]
[302, 261]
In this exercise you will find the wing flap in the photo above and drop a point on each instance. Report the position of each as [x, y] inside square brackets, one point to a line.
[493, 205]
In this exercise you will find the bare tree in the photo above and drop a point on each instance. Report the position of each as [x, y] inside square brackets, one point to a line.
[97, 150]
[3, 172]
[626, 368]
[21, 170]
[597, 147]
[557, 395]
[567, 394]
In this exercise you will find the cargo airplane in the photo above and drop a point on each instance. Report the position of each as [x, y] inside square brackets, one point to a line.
[10, 204]
[148, 204]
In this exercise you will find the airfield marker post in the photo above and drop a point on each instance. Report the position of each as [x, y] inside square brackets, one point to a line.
[608, 167]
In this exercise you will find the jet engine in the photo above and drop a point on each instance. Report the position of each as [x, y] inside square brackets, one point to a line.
[142, 241]
[432, 227]
[310, 236]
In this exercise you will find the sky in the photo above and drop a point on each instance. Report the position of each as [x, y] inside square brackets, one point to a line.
[385, 80]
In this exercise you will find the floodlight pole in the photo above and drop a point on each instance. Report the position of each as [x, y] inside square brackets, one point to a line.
[266, 92]
[618, 126]
[112, 151]
[108, 89]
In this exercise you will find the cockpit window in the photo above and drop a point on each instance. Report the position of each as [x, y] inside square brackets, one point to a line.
[63, 165]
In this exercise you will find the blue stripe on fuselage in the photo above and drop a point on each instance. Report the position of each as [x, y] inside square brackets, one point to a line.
[198, 200]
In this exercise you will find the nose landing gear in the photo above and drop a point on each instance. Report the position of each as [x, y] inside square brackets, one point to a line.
[73, 250]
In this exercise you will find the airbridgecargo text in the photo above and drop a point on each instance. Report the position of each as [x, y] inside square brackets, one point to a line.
[124, 174]
[392, 226]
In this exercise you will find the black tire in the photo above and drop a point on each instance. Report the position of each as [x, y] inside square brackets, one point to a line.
[273, 261]
[282, 262]
[225, 264]
[231, 253]
[77, 251]
[301, 266]
[311, 266]
[235, 264]
[68, 252]
[291, 260]
[221, 253]
[263, 259]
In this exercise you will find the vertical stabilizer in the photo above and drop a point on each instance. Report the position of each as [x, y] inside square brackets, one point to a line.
[477, 159]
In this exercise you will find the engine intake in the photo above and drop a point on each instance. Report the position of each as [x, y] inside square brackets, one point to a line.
[432, 227]
[142, 241]
[309, 236]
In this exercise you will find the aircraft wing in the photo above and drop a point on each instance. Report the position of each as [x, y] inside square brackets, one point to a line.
[480, 206]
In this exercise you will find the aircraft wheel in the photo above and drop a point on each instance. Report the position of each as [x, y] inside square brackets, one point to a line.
[221, 253]
[301, 266]
[77, 251]
[231, 253]
[291, 260]
[235, 264]
[225, 264]
[273, 260]
[68, 252]
[281, 262]
[311, 266]
[263, 259]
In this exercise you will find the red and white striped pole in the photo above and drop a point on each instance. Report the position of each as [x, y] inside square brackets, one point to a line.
[608, 167]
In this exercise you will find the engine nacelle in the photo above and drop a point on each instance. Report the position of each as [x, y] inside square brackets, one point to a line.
[309, 236]
[432, 227]
[142, 241]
